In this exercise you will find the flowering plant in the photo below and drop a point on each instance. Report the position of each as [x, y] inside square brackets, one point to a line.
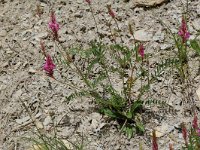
[54, 26]
[192, 137]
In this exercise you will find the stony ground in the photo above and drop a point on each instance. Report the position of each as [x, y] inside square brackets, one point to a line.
[22, 78]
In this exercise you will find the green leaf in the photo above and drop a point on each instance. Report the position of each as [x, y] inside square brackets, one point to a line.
[100, 78]
[136, 105]
[77, 94]
[109, 113]
[129, 115]
[140, 127]
[164, 65]
[92, 63]
[129, 131]
[195, 45]
[116, 100]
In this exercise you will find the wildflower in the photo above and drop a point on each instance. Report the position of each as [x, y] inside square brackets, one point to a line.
[183, 32]
[184, 133]
[154, 141]
[195, 122]
[141, 50]
[54, 26]
[110, 11]
[198, 132]
[49, 66]
[88, 1]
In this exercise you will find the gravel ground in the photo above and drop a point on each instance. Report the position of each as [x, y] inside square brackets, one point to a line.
[22, 78]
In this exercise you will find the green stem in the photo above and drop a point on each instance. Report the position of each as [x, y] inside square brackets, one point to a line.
[130, 85]
[123, 78]
[109, 80]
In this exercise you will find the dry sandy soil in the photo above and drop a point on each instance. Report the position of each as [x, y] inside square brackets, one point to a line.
[22, 77]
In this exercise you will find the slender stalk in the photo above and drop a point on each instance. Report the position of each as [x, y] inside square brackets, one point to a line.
[123, 126]
[119, 56]
[109, 80]
[34, 121]
[187, 7]
[94, 19]
[123, 78]
[114, 38]
[141, 68]
[118, 29]
[109, 25]
[131, 83]
[77, 69]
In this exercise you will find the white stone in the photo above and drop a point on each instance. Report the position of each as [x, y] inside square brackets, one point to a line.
[22, 120]
[31, 70]
[149, 2]
[196, 24]
[162, 130]
[47, 121]
[3, 33]
[198, 9]
[142, 35]
[165, 46]
[198, 92]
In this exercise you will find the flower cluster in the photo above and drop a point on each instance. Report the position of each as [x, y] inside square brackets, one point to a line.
[183, 31]
[154, 141]
[195, 122]
[198, 131]
[141, 50]
[195, 125]
[110, 11]
[88, 1]
[194, 132]
[184, 133]
[49, 66]
[54, 26]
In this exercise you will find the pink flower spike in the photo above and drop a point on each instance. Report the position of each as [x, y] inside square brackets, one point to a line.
[141, 50]
[88, 1]
[110, 11]
[198, 132]
[154, 141]
[53, 25]
[183, 31]
[184, 133]
[49, 66]
[195, 122]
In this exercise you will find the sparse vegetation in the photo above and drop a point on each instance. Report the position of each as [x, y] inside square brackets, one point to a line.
[120, 79]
